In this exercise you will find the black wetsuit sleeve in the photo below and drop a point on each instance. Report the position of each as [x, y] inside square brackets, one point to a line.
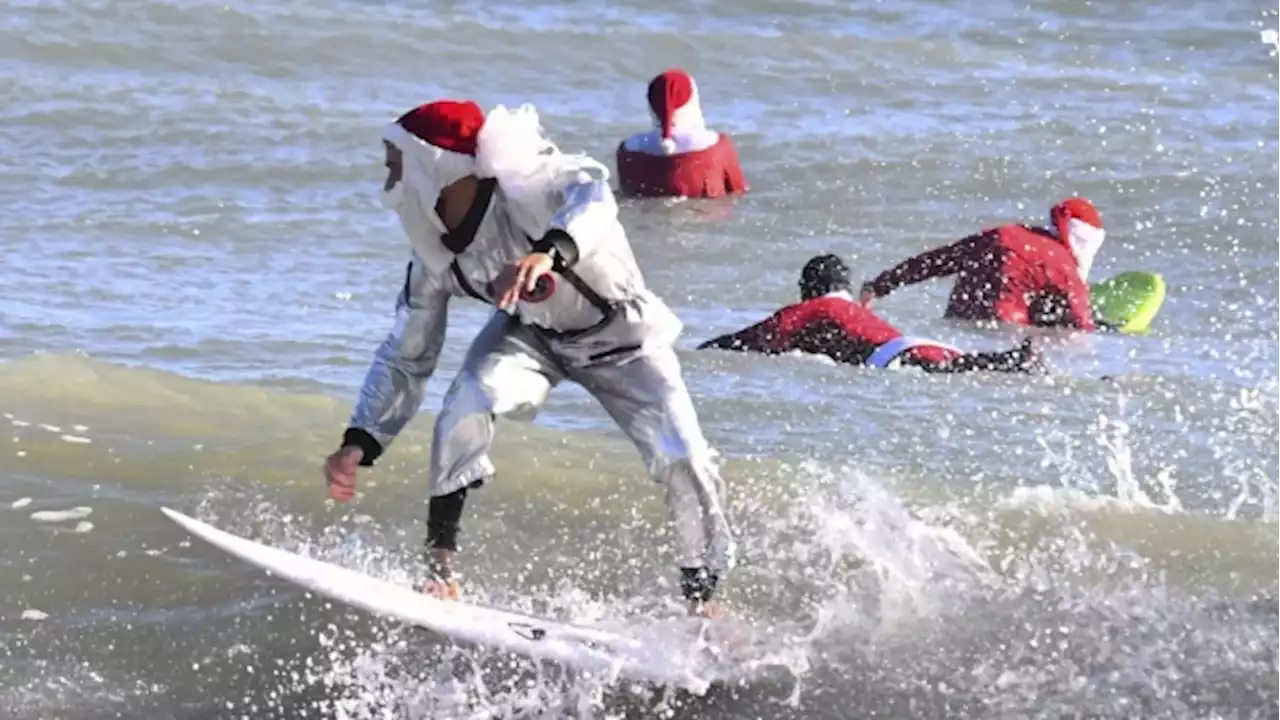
[760, 338]
[1017, 360]
[939, 262]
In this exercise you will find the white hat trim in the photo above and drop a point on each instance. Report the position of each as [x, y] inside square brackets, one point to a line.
[1084, 241]
[685, 119]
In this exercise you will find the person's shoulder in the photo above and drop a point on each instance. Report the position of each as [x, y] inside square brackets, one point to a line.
[1019, 236]
[826, 305]
[1005, 231]
[581, 169]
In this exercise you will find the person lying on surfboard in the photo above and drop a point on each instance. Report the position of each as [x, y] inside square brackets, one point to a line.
[828, 321]
[1017, 274]
[495, 212]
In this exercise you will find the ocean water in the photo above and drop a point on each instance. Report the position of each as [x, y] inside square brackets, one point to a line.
[198, 271]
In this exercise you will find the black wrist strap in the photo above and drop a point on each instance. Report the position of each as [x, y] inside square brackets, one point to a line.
[560, 246]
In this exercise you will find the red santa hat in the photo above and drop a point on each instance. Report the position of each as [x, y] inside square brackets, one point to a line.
[1077, 223]
[446, 140]
[673, 100]
[439, 142]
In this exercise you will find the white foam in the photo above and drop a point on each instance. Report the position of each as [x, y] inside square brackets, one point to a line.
[84, 526]
[21, 503]
[52, 516]
[51, 428]
[33, 614]
[1047, 500]
[21, 423]
[75, 439]
[80, 428]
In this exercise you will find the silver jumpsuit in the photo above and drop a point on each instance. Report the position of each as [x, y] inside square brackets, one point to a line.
[600, 327]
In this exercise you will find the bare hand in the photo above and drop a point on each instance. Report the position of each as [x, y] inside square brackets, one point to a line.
[867, 295]
[340, 472]
[519, 277]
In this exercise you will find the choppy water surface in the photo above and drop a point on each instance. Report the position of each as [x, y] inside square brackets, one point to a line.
[198, 271]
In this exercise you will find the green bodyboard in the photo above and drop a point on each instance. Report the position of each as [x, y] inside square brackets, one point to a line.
[1129, 300]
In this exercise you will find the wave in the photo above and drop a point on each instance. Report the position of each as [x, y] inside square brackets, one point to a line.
[856, 590]
[76, 419]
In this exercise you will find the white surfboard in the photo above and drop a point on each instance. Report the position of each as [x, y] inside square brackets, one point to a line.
[598, 652]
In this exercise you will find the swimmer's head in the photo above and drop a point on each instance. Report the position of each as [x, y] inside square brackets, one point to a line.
[824, 274]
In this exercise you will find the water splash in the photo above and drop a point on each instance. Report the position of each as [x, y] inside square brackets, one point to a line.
[871, 566]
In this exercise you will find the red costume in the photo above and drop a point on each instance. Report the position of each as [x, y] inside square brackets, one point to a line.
[831, 325]
[1014, 273]
[682, 157]
[710, 173]
[829, 322]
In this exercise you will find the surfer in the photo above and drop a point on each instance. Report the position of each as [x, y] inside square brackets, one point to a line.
[681, 157]
[828, 321]
[1013, 273]
[495, 212]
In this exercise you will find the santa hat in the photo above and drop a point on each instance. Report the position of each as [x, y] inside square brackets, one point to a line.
[673, 100]
[1076, 222]
[438, 141]
[446, 140]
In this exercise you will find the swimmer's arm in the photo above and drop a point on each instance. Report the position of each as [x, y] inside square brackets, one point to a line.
[761, 338]
[1079, 307]
[940, 262]
[1102, 325]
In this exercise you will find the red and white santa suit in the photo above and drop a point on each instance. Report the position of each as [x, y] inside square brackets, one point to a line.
[1014, 273]
[681, 157]
[595, 323]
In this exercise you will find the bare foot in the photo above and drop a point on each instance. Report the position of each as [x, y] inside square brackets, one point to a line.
[710, 609]
[441, 589]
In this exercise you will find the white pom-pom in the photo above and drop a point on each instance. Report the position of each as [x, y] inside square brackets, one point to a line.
[509, 139]
[668, 146]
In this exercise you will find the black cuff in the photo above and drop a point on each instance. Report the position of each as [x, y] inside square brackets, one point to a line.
[366, 442]
[560, 246]
[698, 584]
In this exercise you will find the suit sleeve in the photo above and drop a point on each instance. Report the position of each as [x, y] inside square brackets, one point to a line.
[941, 262]
[762, 337]
[1079, 304]
[394, 386]
[585, 216]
